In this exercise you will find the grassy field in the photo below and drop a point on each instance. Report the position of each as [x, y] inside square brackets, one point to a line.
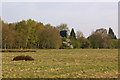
[71, 63]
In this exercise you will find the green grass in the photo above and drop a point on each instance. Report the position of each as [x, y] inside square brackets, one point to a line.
[64, 63]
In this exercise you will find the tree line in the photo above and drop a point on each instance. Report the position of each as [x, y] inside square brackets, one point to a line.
[98, 39]
[35, 35]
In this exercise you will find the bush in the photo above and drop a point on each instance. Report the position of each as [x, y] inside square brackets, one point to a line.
[75, 43]
[113, 43]
[66, 44]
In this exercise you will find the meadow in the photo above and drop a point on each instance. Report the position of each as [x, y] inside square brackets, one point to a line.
[62, 63]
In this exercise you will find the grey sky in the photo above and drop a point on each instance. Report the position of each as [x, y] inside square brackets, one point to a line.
[82, 16]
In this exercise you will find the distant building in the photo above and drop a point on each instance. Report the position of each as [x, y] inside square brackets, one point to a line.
[63, 33]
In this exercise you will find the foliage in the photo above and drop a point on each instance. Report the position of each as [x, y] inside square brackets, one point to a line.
[7, 37]
[98, 39]
[66, 43]
[113, 36]
[49, 38]
[113, 44]
[72, 34]
[85, 43]
[75, 43]
[63, 27]
[30, 34]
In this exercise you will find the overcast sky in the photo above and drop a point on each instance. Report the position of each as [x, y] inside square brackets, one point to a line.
[82, 16]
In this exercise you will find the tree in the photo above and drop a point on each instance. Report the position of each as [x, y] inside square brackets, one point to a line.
[30, 34]
[111, 33]
[99, 38]
[39, 27]
[72, 34]
[79, 34]
[31, 42]
[74, 41]
[49, 38]
[21, 28]
[63, 27]
[8, 37]
[84, 42]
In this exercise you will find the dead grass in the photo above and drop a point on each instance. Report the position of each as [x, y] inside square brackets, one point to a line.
[71, 63]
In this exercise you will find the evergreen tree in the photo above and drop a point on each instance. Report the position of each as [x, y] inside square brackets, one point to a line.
[72, 34]
[113, 36]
